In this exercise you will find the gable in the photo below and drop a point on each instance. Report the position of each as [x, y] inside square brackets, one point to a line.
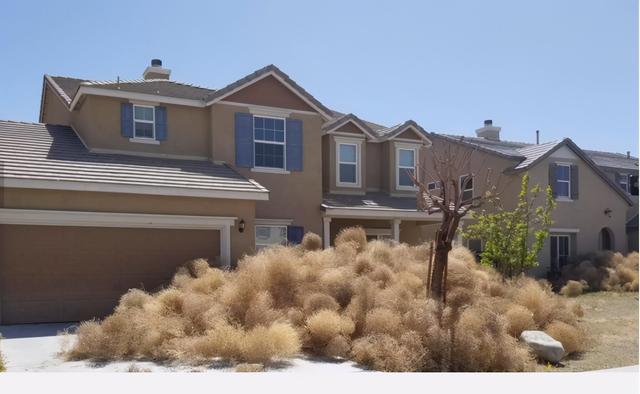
[564, 153]
[269, 92]
[349, 127]
[409, 134]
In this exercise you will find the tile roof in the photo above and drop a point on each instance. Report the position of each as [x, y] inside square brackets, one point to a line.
[532, 153]
[370, 201]
[36, 151]
[613, 160]
[161, 87]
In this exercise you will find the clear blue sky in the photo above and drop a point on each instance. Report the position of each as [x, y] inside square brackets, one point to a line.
[568, 68]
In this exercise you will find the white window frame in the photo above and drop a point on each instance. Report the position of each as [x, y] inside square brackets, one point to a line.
[282, 169]
[400, 147]
[357, 144]
[557, 257]
[152, 122]
[626, 187]
[435, 184]
[568, 182]
[379, 233]
[460, 180]
[263, 245]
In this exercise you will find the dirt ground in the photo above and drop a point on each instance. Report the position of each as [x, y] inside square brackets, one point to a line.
[611, 321]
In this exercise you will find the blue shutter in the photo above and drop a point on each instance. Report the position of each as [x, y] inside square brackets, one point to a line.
[295, 234]
[294, 145]
[126, 120]
[244, 140]
[161, 123]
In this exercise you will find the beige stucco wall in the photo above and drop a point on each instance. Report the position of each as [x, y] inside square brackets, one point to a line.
[97, 120]
[296, 195]
[53, 110]
[587, 213]
[241, 243]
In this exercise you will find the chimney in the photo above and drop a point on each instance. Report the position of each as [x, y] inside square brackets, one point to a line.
[155, 71]
[537, 137]
[489, 131]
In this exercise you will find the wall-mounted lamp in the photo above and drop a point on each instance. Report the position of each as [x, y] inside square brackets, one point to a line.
[608, 212]
[241, 226]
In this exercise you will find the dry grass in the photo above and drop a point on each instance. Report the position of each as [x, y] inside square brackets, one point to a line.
[606, 271]
[246, 367]
[136, 368]
[311, 242]
[574, 288]
[571, 337]
[365, 301]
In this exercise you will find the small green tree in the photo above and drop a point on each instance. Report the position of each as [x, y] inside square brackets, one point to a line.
[507, 234]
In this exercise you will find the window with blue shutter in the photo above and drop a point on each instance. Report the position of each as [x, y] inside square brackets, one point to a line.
[269, 142]
[294, 145]
[126, 119]
[295, 234]
[244, 139]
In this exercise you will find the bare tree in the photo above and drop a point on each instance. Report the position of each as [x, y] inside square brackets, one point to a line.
[452, 170]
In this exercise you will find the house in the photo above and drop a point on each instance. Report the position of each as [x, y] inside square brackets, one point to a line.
[122, 181]
[592, 209]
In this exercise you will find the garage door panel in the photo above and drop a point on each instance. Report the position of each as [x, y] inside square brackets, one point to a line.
[56, 273]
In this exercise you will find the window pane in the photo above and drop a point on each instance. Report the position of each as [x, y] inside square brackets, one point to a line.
[405, 178]
[143, 113]
[268, 135]
[259, 122]
[348, 173]
[467, 195]
[268, 123]
[406, 158]
[347, 153]
[271, 235]
[144, 130]
[563, 173]
[466, 183]
[279, 124]
[562, 189]
[279, 136]
[269, 155]
[259, 134]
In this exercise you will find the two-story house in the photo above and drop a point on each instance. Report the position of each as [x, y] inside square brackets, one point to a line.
[124, 180]
[591, 211]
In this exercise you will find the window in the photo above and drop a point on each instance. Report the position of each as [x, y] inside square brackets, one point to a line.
[466, 187]
[431, 186]
[559, 251]
[144, 122]
[623, 181]
[348, 164]
[378, 234]
[270, 235]
[269, 142]
[562, 185]
[406, 160]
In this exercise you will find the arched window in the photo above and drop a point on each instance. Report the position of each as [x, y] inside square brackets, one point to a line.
[606, 239]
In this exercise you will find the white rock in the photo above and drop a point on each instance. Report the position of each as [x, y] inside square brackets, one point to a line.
[545, 346]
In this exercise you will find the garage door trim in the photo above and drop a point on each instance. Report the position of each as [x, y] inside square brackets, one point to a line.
[125, 220]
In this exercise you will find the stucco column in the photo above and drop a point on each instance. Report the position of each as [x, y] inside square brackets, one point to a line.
[225, 246]
[458, 237]
[395, 229]
[326, 229]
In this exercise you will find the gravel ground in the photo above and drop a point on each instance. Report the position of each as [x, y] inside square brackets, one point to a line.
[611, 321]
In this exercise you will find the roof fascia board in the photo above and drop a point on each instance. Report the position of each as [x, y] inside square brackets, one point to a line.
[133, 189]
[89, 90]
[112, 219]
[264, 108]
[281, 80]
[333, 129]
[405, 128]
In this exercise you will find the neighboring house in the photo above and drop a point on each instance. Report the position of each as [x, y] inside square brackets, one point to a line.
[124, 180]
[623, 170]
[592, 209]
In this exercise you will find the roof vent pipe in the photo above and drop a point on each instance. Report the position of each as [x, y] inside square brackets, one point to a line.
[156, 63]
[537, 137]
[628, 154]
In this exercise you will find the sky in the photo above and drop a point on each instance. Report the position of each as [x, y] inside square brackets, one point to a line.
[567, 68]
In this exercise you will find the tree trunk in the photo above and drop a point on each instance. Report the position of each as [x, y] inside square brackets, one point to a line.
[439, 266]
